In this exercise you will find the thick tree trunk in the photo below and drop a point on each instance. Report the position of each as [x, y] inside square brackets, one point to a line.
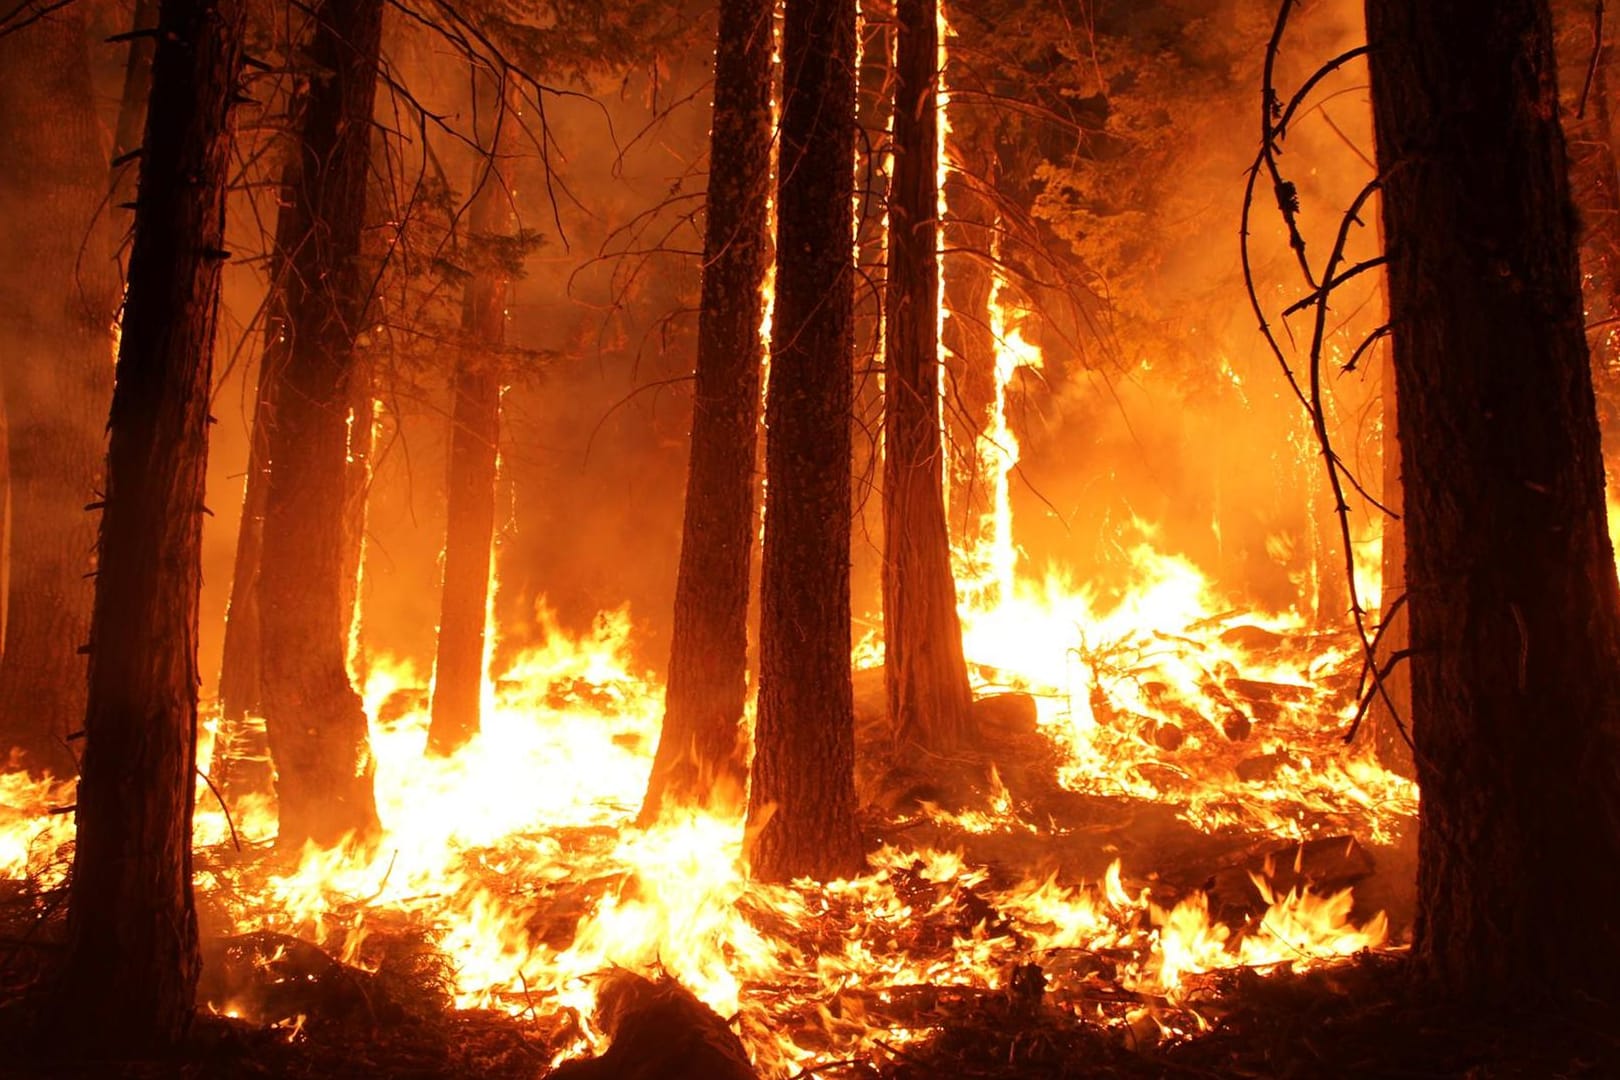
[801, 802]
[699, 761]
[58, 300]
[926, 676]
[458, 673]
[1515, 614]
[316, 725]
[131, 966]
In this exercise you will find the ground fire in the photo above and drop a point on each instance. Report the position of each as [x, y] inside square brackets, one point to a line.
[824, 538]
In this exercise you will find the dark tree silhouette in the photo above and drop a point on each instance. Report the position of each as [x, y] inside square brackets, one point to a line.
[314, 718]
[130, 971]
[1515, 613]
[801, 800]
[698, 759]
[926, 675]
[58, 299]
[475, 422]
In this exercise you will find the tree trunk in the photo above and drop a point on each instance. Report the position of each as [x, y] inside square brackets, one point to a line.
[132, 104]
[458, 673]
[130, 971]
[1384, 725]
[316, 725]
[926, 676]
[241, 757]
[1515, 613]
[699, 761]
[801, 803]
[58, 302]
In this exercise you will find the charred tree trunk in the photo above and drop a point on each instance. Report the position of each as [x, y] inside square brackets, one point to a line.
[241, 757]
[314, 718]
[698, 760]
[58, 300]
[801, 801]
[1384, 723]
[132, 104]
[926, 675]
[1515, 613]
[458, 672]
[131, 967]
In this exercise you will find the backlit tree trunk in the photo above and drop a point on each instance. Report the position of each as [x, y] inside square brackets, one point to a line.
[1515, 614]
[801, 802]
[458, 673]
[316, 725]
[698, 760]
[131, 966]
[241, 761]
[929, 697]
[58, 300]
[132, 104]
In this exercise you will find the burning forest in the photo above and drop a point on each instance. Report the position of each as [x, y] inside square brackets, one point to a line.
[825, 538]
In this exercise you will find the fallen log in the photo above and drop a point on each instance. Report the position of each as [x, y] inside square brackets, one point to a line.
[659, 1031]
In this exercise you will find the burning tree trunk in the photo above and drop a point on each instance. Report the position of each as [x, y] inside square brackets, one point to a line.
[926, 676]
[1515, 614]
[359, 433]
[698, 759]
[58, 301]
[316, 725]
[131, 966]
[801, 801]
[458, 674]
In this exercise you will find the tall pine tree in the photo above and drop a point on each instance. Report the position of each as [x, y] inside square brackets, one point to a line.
[801, 799]
[698, 759]
[130, 972]
[1515, 612]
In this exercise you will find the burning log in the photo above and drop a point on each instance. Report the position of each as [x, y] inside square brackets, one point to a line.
[660, 1031]
[1324, 866]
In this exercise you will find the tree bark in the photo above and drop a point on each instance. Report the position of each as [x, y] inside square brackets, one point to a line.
[241, 758]
[699, 761]
[801, 803]
[132, 104]
[1515, 612]
[1384, 724]
[58, 302]
[316, 725]
[926, 675]
[130, 970]
[458, 673]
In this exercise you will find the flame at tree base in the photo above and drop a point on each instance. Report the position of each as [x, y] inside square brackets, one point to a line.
[516, 858]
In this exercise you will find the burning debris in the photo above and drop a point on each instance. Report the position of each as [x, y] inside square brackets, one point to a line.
[510, 875]
[1071, 802]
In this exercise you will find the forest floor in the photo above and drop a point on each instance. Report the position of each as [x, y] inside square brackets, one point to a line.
[1057, 1012]
[1355, 1020]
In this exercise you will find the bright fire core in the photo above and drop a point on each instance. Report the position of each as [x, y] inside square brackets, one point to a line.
[517, 860]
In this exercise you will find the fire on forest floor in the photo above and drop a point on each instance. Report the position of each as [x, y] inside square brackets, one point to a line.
[1169, 798]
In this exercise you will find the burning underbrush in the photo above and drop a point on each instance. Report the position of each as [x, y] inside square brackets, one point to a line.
[1163, 797]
